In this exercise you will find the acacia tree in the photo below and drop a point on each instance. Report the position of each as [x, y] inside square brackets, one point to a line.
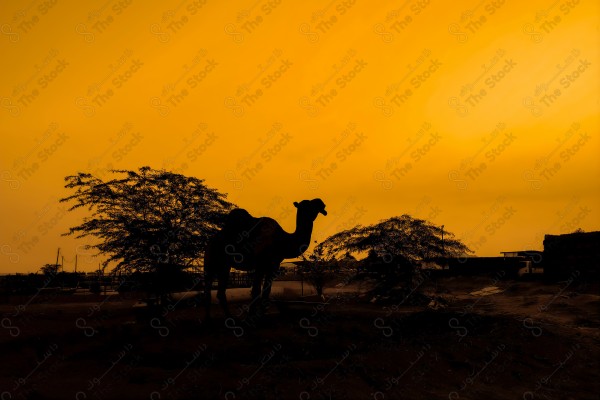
[50, 269]
[400, 242]
[317, 269]
[147, 220]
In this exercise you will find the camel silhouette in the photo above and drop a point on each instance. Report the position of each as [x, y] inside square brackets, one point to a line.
[255, 244]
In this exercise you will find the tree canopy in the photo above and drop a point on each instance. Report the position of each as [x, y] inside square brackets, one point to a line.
[318, 270]
[395, 249]
[412, 239]
[50, 269]
[147, 218]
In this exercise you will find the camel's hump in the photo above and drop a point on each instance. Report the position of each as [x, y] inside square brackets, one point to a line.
[239, 213]
[238, 219]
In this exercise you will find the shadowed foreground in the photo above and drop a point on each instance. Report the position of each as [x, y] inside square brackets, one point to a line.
[492, 347]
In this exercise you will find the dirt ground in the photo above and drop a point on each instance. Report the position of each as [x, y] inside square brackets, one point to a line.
[526, 340]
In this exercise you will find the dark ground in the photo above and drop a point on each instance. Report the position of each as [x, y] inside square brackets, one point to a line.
[532, 341]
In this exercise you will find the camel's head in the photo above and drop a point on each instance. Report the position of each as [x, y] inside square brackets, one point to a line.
[311, 207]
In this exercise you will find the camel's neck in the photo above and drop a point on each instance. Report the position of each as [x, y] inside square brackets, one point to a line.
[300, 239]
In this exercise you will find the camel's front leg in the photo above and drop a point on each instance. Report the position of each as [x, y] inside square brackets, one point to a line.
[263, 303]
[266, 292]
[256, 285]
[269, 277]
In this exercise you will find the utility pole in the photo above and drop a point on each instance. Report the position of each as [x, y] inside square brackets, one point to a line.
[443, 249]
[57, 254]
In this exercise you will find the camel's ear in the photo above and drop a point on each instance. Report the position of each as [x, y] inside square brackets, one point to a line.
[296, 204]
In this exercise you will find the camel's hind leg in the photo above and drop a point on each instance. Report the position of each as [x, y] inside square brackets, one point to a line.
[212, 263]
[209, 277]
[222, 288]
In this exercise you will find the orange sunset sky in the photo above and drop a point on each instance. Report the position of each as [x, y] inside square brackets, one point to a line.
[481, 116]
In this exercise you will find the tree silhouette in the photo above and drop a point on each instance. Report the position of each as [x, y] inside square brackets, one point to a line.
[50, 269]
[147, 220]
[399, 243]
[318, 270]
